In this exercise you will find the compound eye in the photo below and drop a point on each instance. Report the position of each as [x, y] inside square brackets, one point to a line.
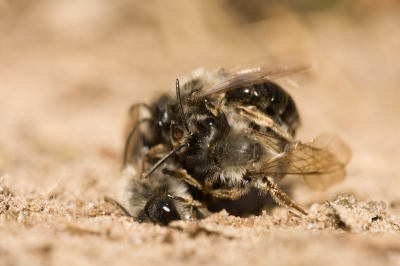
[177, 133]
[207, 127]
[162, 211]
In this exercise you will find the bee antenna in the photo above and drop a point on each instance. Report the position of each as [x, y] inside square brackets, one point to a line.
[163, 160]
[113, 201]
[128, 139]
[178, 96]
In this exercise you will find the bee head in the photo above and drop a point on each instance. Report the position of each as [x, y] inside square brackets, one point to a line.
[161, 210]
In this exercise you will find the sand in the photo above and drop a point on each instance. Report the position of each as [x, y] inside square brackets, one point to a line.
[69, 71]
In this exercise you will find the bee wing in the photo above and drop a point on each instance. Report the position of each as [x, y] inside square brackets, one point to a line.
[320, 162]
[133, 150]
[246, 78]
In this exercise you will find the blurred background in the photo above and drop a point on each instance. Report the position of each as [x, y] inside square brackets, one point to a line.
[70, 69]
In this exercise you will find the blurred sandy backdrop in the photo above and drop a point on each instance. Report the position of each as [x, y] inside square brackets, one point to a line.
[69, 70]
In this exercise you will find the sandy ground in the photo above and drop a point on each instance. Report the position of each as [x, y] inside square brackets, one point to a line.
[69, 70]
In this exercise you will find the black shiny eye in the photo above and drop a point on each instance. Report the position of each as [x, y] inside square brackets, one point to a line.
[162, 211]
[207, 127]
[209, 122]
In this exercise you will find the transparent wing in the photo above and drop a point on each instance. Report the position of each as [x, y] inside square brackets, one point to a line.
[133, 150]
[320, 162]
[246, 78]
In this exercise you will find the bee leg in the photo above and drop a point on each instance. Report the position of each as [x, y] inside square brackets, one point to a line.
[157, 151]
[279, 196]
[261, 119]
[233, 193]
[209, 182]
[188, 201]
[197, 209]
[182, 175]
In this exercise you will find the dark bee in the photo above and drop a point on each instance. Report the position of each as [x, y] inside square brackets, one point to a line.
[158, 198]
[229, 132]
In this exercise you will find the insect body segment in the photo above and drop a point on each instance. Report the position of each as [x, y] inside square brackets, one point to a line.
[270, 99]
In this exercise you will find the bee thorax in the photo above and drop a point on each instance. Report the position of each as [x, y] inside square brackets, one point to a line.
[238, 151]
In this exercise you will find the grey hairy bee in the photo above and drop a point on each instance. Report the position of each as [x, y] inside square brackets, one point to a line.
[159, 199]
[222, 132]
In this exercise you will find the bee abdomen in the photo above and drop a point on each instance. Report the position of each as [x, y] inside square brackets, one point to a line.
[270, 98]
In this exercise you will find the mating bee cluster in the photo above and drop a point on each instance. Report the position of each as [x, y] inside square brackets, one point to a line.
[218, 135]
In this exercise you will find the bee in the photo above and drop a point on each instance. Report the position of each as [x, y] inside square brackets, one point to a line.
[226, 132]
[159, 198]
